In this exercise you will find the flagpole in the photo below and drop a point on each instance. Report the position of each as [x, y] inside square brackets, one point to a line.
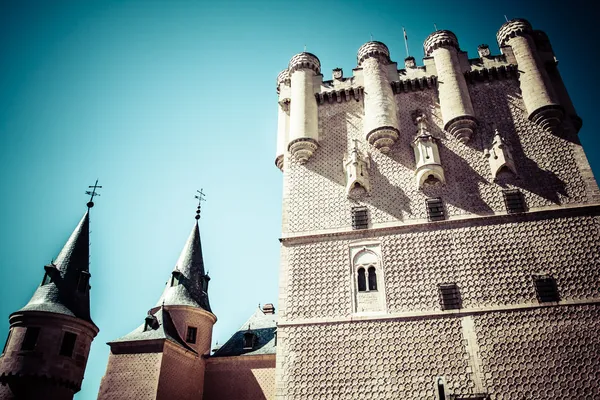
[406, 42]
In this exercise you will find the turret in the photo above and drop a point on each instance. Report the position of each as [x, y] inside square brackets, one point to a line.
[49, 339]
[455, 101]
[175, 335]
[427, 156]
[542, 104]
[283, 116]
[381, 113]
[304, 124]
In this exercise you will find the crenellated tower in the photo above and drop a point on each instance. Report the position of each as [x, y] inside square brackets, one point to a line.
[381, 119]
[47, 348]
[444, 234]
[542, 103]
[165, 357]
[455, 101]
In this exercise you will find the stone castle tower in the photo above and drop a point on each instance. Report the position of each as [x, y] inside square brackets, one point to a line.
[165, 358]
[47, 348]
[441, 227]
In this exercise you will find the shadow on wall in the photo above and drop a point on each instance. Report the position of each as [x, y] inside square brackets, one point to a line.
[232, 378]
[531, 177]
[329, 164]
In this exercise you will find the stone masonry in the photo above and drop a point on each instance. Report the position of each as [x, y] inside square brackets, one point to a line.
[513, 236]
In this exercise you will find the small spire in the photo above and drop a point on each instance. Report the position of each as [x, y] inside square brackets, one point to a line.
[406, 42]
[505, 18]
[435, 27]
[371, 36]
[92, 194]
[305, 48]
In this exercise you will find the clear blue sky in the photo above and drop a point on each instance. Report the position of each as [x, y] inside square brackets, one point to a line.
[160, 98]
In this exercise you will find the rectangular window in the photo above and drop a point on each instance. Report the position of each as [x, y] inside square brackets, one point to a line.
[360, 218]
[175, 278]
[435, 209]
[514, 201]
[546, 289]
[7, 341]
[68, 344]
[31, 337]
[449, 296]
[191, 334]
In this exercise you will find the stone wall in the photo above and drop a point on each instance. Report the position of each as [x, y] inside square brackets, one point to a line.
[240, 378]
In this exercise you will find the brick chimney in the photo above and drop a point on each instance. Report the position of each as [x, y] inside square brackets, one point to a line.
[269, 308]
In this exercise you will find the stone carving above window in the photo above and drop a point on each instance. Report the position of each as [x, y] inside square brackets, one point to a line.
[356, 165]
[368, 292]
[427, 157]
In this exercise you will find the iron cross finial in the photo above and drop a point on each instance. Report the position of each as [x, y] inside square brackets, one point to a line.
[92, 193]
[200, 196]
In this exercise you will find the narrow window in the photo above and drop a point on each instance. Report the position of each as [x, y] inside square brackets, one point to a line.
[514, 201]
[435, 209]
[84, 278]
[191, 334]
[362, 281]
[546, 289]
[31, 337]
[441, 388]
[68, 344]
[46, 279]
[360, 218]
[372, 279]
[175, 278]
[7, 341]
[249, 340]
[449, 296]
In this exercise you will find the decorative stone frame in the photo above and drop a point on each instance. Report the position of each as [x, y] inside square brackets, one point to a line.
[365, 255]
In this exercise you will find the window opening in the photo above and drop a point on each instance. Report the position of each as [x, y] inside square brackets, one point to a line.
[249, 339]
[175, 278]
[435, 209]
[46, 279]
[68, 344]
[7, 341]
[514, 201]
[84, 278]
[360, 218]
[362, 281]
[191, 334]
[31, 337]
[546, 289]
[372, 279]
[449, 296]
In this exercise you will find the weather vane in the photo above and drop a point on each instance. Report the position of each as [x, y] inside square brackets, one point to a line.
[92, 193]
[200, 197]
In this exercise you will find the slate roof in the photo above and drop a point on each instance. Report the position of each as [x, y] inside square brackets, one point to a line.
[192, 289]
[61, 295]
[160, 327]
[264, 326]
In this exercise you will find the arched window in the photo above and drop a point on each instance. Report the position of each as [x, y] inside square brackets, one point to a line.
[362, 282]
[372, 279]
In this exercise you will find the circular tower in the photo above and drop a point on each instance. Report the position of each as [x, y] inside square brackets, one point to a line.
[540, 99]
[283, 116]
[304, 123]
[381, 113]
[455, 101]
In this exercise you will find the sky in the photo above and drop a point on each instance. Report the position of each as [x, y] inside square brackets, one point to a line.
[158, 99]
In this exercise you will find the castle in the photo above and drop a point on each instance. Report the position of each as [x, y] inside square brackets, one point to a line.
[440, 240]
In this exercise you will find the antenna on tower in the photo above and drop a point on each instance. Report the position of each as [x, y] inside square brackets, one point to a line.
[371, 36]
[435, 26]
[200, 197]
[92, 193]
[505, 18]
[406, 42]
[305, 48]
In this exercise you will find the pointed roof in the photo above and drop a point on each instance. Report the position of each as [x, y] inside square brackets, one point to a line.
[63, 293]
[263, 326]
[188, 285]
[160, 326]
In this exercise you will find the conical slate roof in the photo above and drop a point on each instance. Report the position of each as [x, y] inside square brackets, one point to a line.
[188, 284]
[67, 290]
